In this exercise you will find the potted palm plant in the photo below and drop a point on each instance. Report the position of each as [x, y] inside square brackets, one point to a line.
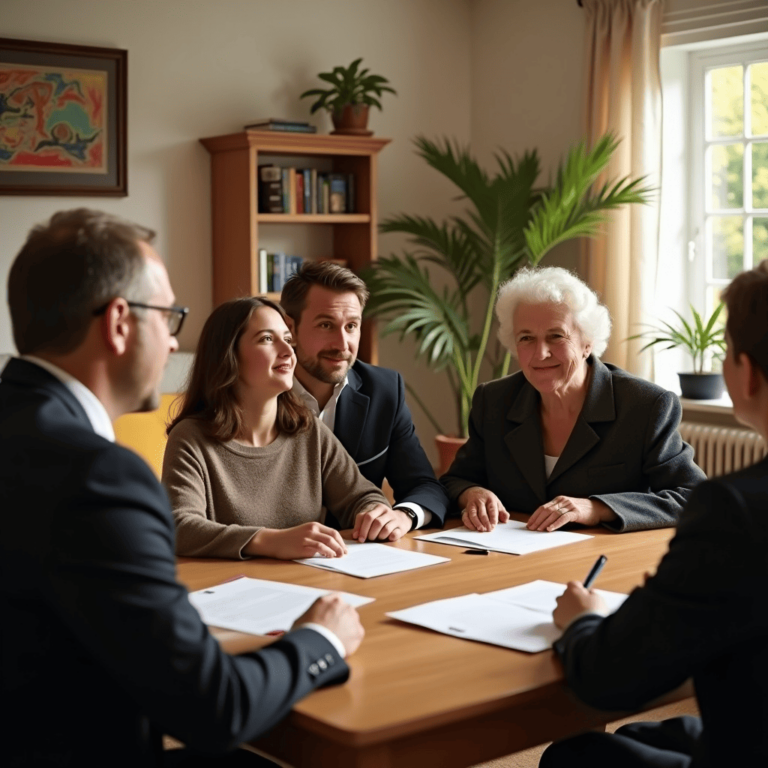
[704, 340]
[353, 91]
[510, 222]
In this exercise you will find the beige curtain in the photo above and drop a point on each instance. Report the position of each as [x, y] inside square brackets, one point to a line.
[623, 95]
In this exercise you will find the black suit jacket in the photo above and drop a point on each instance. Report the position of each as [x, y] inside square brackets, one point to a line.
[375, 426]
[101, 650]
[703, 615]
[624, 450]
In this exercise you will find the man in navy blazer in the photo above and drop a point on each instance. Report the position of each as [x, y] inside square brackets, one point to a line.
[363, 404]
[102, 651]
[702, 616]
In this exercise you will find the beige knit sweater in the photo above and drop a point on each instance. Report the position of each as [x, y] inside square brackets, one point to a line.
[223, 493]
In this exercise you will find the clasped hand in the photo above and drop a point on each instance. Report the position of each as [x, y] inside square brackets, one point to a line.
[568, 509]
[483, 510]
[381, 523]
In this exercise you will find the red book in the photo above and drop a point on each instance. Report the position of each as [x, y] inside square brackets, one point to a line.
[299, 193]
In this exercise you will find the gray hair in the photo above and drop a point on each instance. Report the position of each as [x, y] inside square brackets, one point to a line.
[553, 285]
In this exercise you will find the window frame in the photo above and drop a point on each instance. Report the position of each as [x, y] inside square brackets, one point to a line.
[700, 277]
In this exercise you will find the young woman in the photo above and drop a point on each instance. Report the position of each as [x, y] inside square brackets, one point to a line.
[249, 470]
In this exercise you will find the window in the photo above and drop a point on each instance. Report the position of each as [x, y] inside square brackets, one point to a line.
[714, 182]
[729, 167]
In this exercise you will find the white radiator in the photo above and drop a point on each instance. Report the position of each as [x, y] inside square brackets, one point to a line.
[719, 450]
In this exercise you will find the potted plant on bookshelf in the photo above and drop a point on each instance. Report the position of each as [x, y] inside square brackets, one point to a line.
[353, 91]
[510, 222]
[703, 340]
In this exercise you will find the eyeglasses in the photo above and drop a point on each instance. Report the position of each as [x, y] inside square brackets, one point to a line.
[174, 316]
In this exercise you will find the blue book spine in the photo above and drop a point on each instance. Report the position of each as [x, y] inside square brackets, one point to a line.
[278, 273]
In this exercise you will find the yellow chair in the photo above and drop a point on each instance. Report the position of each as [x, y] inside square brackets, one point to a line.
[144, 433]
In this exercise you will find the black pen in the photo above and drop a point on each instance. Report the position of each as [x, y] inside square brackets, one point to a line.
[595, 572]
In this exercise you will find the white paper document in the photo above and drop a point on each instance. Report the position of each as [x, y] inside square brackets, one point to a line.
[368, 560]
[542, 596]
[259, 607]
[511, 537]
[519, 617]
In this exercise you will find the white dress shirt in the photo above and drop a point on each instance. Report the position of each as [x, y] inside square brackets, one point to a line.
[328, 417]
[94, 410]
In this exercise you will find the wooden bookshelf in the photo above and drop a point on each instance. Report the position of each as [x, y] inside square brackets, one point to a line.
[237, 223]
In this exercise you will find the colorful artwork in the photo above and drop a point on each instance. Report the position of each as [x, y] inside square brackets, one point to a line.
[63, 119]
[53, 119]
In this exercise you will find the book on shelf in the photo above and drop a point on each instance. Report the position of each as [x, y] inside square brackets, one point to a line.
[337, 193]
[313, 190]
[305, 190]
[292, 266]
[276, 124]
[326, 193]
[299, 191]
[307, 186]
[278, 272]
[275, 269]
[270, 189]
[264, 276]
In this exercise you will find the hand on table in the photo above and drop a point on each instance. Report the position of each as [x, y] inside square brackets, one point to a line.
[567, 509]
[576, 600]
[381, 523]
[482, 510]
[342, 619]
[305, 540]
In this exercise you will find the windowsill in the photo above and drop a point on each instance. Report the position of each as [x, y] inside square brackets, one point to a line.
[723, 405]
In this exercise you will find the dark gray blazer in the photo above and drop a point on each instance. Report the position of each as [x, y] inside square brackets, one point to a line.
[624, 450]
[702, 616]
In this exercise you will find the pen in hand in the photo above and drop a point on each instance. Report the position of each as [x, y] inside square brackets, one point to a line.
[595, 572]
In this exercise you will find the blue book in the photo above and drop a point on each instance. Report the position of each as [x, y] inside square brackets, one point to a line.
[278, 272]
[292, 265]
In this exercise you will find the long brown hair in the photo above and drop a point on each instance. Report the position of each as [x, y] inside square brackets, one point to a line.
[210, 395]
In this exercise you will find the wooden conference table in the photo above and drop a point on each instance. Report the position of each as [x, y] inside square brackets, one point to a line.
[420, 698]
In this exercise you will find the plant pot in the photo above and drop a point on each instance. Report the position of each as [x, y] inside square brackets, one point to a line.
[447, 448]
[351, 121]
[702, 386]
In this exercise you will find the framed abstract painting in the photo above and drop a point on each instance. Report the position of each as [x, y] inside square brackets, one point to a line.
[62, 119]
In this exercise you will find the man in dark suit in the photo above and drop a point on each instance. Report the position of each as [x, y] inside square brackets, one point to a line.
[102, 650]
[363, 404]
[702, 615]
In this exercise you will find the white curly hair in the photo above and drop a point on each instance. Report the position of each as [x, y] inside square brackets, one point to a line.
[553, 285]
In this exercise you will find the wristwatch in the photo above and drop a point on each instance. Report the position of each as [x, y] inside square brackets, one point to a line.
[408, 511]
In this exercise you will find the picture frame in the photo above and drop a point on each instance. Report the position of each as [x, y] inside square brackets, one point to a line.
[63, 119]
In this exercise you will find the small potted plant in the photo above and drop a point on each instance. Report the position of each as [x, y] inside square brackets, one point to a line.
[703, 341]
[352, 93]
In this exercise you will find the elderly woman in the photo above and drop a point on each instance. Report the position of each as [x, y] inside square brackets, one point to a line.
[569, 439]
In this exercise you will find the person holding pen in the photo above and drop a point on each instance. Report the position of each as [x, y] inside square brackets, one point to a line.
[701, 616]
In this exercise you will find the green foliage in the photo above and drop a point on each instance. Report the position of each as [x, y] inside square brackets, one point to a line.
[509, 222]
[349, 86]
[727, 182]
[697, 338]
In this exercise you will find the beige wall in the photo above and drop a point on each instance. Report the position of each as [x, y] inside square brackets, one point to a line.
[496, 72]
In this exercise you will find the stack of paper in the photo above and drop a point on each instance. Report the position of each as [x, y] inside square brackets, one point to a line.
[368, 560]
[519, 617]
[512, 537]
[259, 607]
